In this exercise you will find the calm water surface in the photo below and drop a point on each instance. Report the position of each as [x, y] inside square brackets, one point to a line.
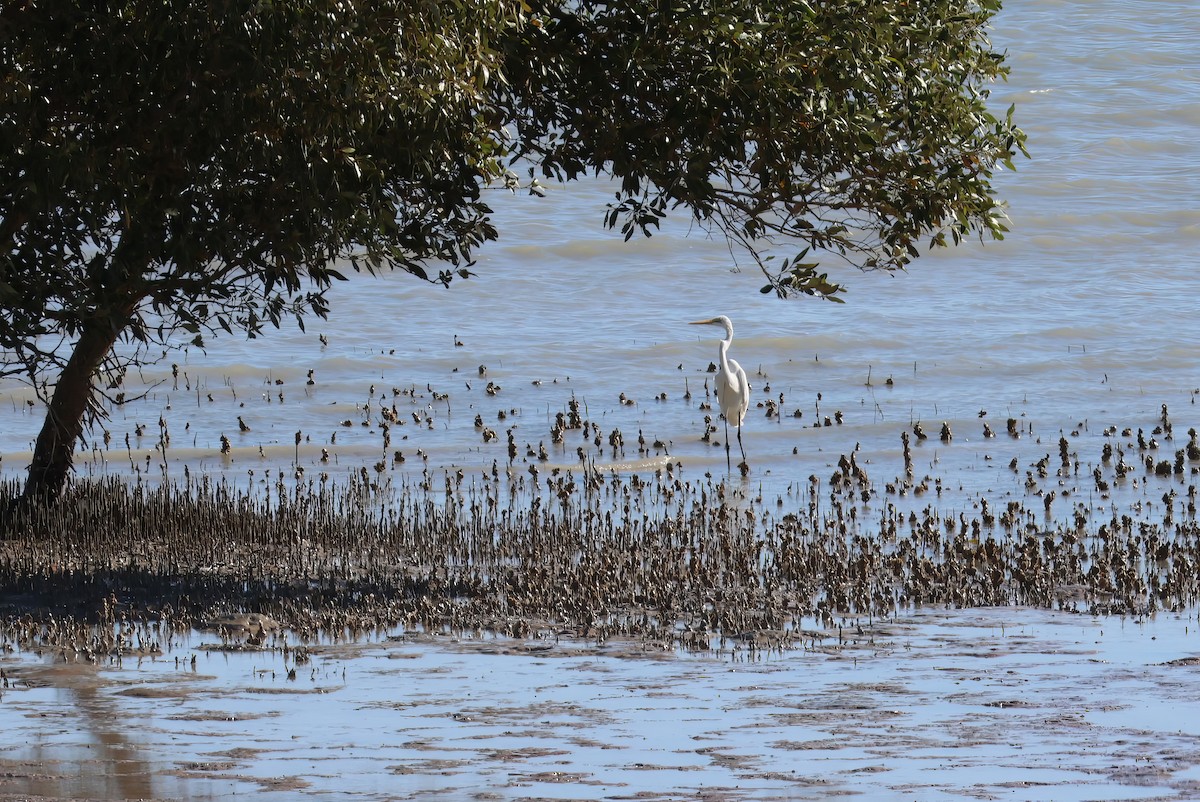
[1084, 317]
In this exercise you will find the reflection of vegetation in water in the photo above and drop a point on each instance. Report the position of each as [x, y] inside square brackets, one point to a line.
[112, 766]
[662, 558]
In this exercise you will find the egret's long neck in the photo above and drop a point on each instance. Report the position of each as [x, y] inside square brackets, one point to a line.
[723, 350]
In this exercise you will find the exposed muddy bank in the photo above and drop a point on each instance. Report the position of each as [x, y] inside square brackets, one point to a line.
[662, 556]
[992, 703]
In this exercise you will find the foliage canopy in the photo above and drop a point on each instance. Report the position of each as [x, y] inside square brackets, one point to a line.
[854, 127]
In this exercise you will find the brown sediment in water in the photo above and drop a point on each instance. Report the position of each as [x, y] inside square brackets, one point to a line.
[117, 569]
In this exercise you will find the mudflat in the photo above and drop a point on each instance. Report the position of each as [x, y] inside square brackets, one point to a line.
[1013, 703]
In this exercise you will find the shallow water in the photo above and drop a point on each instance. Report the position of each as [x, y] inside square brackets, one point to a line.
[989, 703]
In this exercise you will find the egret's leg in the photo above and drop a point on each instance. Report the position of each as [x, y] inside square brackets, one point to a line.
[728, 459]
[740, 444]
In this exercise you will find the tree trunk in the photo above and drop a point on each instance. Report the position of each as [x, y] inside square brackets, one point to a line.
[55, 447]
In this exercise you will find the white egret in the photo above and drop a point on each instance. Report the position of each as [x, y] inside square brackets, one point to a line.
[733, 390]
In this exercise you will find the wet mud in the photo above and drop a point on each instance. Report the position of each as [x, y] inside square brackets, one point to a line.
[994, 703]
[664, 557]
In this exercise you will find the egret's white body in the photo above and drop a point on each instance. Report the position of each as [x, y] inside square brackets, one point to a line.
[733, 389]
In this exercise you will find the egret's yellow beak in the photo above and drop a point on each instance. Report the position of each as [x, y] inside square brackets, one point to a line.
[703, 322]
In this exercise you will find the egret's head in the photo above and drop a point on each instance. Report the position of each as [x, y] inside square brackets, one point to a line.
[719, 320]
